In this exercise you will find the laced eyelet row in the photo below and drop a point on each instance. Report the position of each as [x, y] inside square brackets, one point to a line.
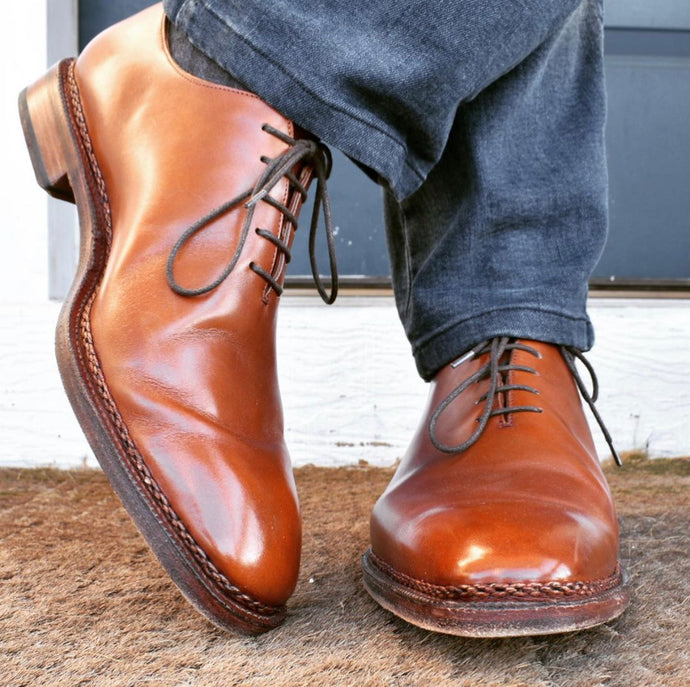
[307, 151]
[495, 372]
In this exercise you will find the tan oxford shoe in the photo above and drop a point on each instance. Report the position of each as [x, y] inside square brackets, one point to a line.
[188, 194]
[499, 520]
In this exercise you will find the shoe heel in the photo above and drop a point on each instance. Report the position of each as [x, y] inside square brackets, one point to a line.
[47, 132]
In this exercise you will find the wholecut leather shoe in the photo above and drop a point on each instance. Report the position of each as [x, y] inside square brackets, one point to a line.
[188, 194]
[499, 520]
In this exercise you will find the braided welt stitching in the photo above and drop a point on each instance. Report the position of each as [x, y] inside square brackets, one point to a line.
[94, 367]
[530, 591]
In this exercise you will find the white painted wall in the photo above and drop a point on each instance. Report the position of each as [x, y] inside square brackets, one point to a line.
[23, 207]
[349, 387]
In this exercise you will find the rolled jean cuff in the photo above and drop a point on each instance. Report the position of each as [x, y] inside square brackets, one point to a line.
[354, 133]
[443, 347]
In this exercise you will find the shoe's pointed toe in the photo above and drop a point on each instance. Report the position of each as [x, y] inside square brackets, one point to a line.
[490, 543]
[239, 504]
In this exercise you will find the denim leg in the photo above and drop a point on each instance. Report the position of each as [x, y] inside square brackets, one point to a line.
[380, 80]
[504, 233]
[485, 120]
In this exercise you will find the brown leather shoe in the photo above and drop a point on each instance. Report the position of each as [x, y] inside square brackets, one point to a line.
[499, 521]
[188, 194]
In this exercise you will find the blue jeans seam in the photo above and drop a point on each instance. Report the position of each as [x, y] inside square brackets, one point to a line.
[408, 267]
[314, 95]
[421, 343]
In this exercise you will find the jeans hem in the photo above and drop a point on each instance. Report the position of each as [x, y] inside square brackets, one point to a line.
[520, 322]
[368, 143]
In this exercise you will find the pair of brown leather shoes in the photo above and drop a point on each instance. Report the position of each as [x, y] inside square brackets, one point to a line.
[188, 196]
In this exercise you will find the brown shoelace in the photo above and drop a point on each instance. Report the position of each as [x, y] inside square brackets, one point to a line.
[299, 150]
[495, 370]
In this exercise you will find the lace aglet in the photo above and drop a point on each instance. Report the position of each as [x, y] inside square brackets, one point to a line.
[463, 359]
[607, 436]
[616, 456]
[256, 198]
[472, 353]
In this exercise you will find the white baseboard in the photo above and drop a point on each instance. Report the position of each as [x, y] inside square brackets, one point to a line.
[350, 390]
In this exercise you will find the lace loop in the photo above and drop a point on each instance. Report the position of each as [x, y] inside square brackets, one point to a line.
[571, 354]
[493, 370]
[300, 150]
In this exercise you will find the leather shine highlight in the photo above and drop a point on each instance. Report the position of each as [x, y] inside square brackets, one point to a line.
[194, 379]
[527, 503]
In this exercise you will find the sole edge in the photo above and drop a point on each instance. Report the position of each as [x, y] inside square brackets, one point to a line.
[487, 619]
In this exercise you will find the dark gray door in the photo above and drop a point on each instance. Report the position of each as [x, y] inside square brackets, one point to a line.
[648, 71]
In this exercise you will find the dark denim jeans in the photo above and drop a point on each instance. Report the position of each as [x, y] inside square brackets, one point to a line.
[485, 124]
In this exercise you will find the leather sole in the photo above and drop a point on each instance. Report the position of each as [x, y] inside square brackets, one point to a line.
[495, 610]
[65, 166]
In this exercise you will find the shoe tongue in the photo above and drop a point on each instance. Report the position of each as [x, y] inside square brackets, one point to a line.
[508, 354]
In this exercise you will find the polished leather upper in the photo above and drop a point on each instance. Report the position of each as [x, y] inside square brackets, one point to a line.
[527, 502]
[194, 379]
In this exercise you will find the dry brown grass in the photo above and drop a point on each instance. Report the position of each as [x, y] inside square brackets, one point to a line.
[85, 603]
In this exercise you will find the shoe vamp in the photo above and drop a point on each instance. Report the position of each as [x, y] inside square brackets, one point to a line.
[511, 508]
[233, 491]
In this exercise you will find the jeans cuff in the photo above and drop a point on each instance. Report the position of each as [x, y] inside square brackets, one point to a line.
[337, 124]
[520, 322]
